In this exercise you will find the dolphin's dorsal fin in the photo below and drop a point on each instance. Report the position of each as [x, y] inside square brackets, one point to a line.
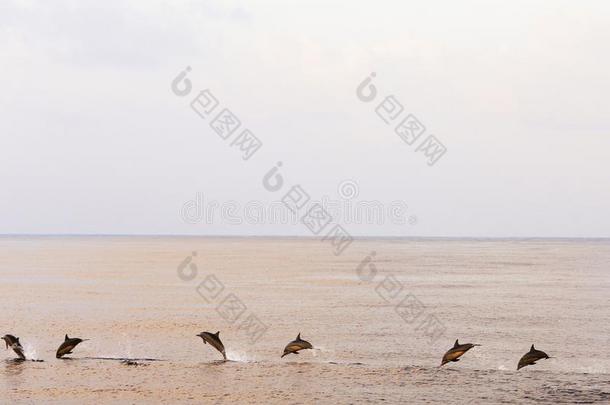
[532, 348]
[456, 343]
[67, 338]
[217, 333]
[298, 336]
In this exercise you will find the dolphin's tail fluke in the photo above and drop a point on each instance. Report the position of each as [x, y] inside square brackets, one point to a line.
[20, 354]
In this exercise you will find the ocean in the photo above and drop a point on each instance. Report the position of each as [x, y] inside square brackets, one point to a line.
[380, 316]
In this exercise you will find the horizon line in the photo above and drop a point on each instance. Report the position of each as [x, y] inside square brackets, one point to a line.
[178, 235]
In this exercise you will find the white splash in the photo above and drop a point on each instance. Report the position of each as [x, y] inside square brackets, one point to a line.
[30, 352]
[239, 356]
[321, 350]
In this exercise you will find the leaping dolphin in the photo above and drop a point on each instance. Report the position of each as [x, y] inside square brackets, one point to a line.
[531, 357]
[214, 340]
[296, 345]
[67, 346]
[456, 352]
[13, 342]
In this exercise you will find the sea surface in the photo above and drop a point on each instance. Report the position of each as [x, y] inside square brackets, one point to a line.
[379, 322]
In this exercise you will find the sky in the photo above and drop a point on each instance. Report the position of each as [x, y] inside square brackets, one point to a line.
[94, 139]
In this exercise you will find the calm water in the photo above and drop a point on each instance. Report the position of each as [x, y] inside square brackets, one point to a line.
[125, 294]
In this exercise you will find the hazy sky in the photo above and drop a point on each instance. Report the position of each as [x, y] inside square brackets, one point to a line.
[93, 140]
